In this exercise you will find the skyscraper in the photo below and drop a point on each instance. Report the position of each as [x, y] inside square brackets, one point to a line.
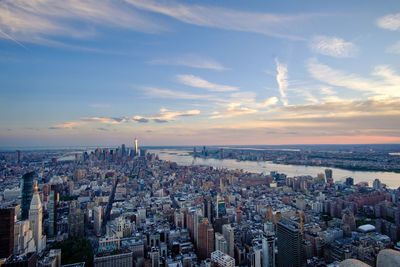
[155, 257]
[268, 250]
[205, 239]
[52, 209]
[377, 184]
[220, 243]
[208, 210]
[136, 147]
[26, 194]
[290, 250]
[328, 176]
[229, 236]
[6, 232]
[75, 220]
[221, 207]
[35, 220]
[97, 216]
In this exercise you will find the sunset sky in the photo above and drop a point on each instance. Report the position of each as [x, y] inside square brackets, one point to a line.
[199, 72]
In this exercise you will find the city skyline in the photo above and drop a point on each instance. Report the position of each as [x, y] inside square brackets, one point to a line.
[199, 73]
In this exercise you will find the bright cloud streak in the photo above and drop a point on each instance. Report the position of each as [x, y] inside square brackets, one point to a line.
[228, 19]
[282, 80]
[194, 81]
[164, 116]
[36, 21]
[386, 86]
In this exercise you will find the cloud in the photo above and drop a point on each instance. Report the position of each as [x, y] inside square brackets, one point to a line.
[333, 46]
[272, 101]
[389, 22]
[192, 61]
[39, 21]
[282, 80]
[160, 121]
[163, 116]
[228, 19]
[342, 109]
[233, 110]
[394, 49]
[194, 81]
[102, 129]
[140, 119]
[166, 93]
[384, 83]
[167, 115]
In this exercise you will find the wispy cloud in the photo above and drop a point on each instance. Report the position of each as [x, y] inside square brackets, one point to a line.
[163, 116]
[192, 61]
[333, 46]
[342, 109]
[167, 93]
[233, 110]
[243, 103]
[282, 80]
[389, 22]
[384, 84]
[39, 21]
[167, 115]
[275, 25]
[194, 81]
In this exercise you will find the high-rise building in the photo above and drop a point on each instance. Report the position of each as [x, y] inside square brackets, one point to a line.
[205, 239]
[35, 220]
[268, 250]
[229, 235]
[197, 220]
[75, 220]
[220, 243]
[97, 216]
[52, 210]
[155, 257]
[78, 175]
[349, 181]
[221, 207]
[26, 194]
[179, 219]
[221, 259]
[208, 210]
[6, 232]
[377, 185]
[123, 150]
[136, 148]
[290, 250]
[254, 257]
[328, 176]
[23, 238]
[18, 156]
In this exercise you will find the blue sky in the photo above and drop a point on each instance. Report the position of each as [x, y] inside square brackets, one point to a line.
[199, 72]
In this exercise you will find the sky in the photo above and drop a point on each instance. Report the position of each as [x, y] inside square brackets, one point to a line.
[205, 72]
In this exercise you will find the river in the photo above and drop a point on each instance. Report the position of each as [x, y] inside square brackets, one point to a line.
[182, 157]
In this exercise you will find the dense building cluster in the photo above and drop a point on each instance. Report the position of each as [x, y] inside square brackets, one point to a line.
[125, 207]
[379, 158]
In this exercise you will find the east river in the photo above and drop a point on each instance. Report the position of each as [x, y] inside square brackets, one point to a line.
[182, 157]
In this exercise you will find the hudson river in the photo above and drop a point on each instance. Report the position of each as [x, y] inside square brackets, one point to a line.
[182, 157]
